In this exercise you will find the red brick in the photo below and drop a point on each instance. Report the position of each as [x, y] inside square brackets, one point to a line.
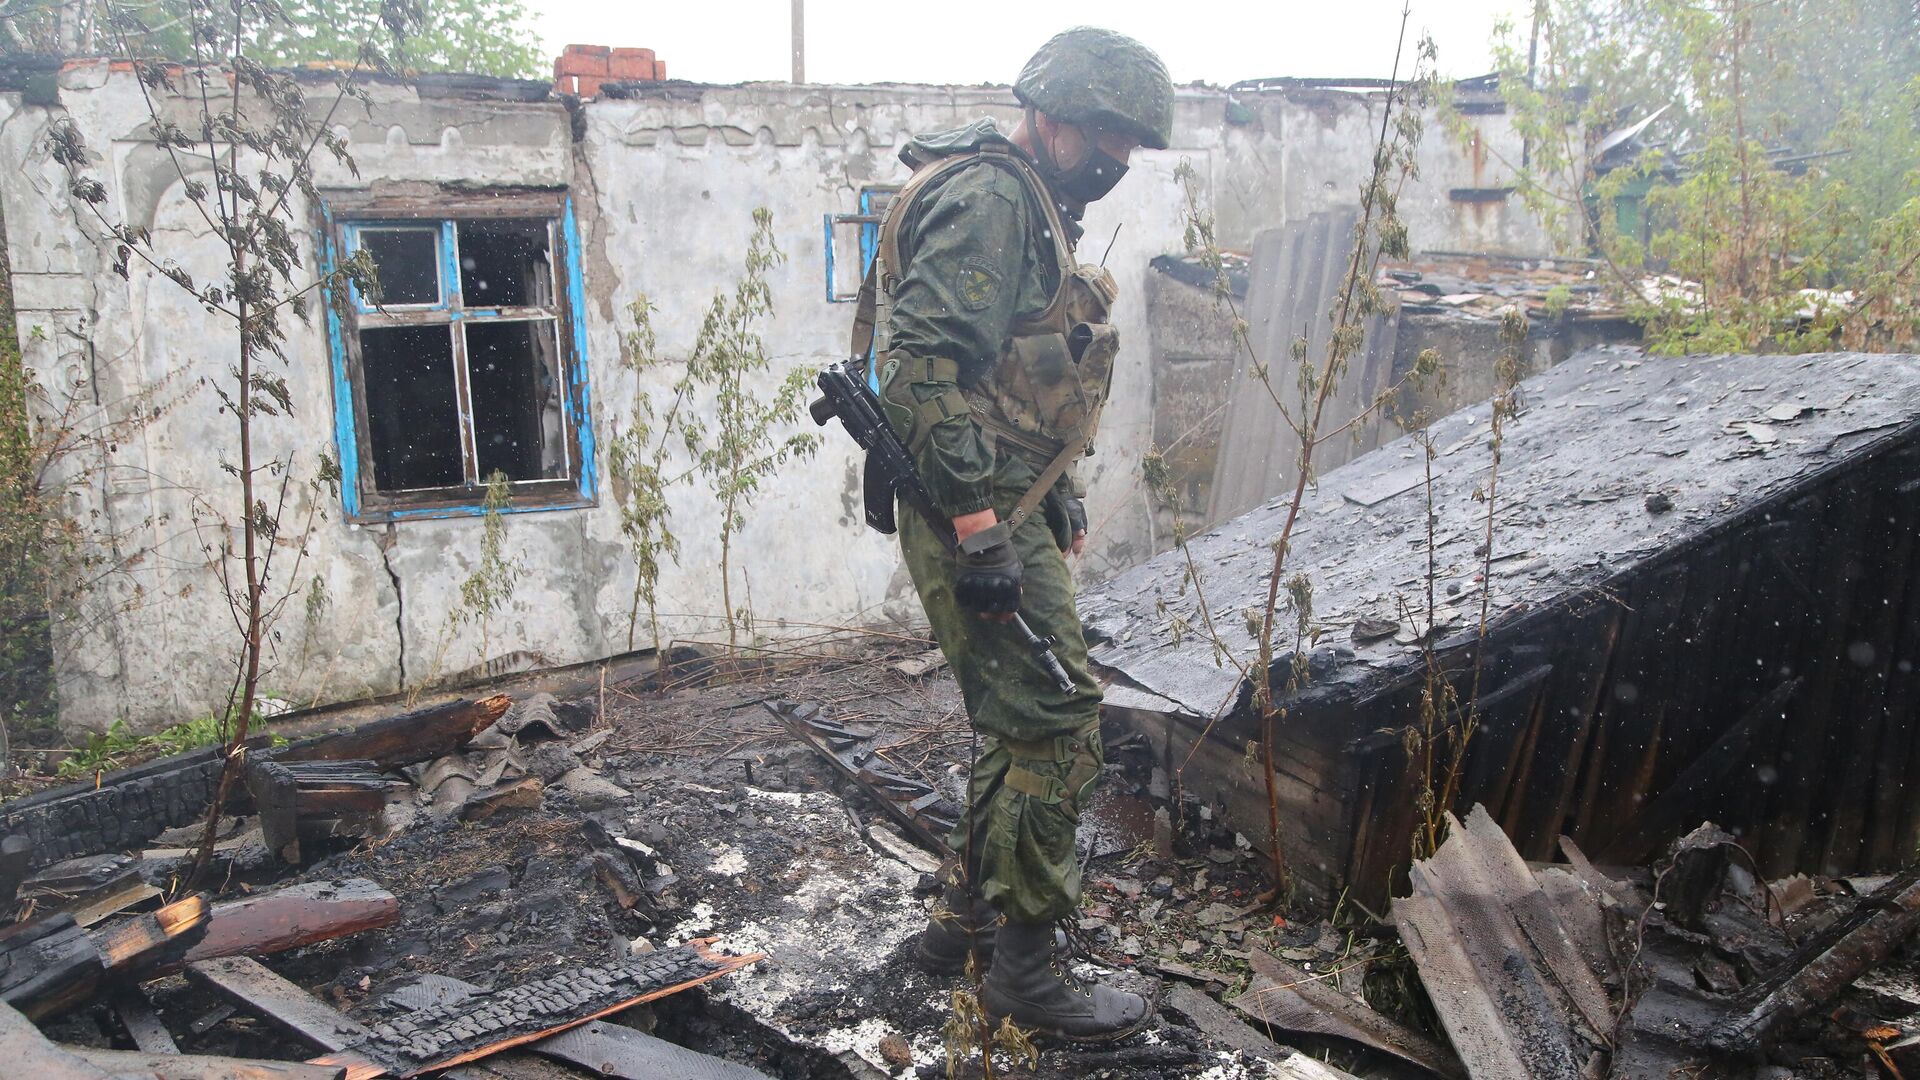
[587, 86]
[599, 51]
[583, 65]
[660, 69]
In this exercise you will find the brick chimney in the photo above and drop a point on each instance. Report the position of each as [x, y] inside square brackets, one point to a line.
[582, 69]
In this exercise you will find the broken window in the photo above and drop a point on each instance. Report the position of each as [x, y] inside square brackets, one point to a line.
[464, 361]
[851, 242]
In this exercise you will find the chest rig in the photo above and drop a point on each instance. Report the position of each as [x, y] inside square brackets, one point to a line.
[1043, 398]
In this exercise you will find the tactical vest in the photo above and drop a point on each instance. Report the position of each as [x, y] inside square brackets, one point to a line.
[1043, 398]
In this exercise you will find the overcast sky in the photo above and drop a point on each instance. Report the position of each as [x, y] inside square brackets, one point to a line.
[976, 41]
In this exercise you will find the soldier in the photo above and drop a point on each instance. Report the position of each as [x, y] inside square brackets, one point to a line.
[994, 354]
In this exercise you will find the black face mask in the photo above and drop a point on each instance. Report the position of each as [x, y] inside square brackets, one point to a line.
[1092, 178]
[1084, 183]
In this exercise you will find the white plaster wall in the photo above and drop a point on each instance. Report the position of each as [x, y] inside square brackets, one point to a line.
[664, 189]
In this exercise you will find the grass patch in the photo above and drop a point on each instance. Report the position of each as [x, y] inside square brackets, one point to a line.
[117, 748]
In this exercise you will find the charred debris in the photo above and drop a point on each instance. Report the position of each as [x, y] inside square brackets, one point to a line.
[715, 872]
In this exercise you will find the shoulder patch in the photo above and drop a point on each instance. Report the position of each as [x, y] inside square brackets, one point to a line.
[977, 282]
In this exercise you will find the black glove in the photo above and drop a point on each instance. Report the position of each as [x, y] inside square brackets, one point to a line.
[989, 577]
[1076, 518]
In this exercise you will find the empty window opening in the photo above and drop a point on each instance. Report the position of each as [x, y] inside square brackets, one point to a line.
[505, 264]
[411, 405]
[514, 371]
[408, 261]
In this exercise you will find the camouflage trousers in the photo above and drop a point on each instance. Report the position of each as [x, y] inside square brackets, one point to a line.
[1039, 748]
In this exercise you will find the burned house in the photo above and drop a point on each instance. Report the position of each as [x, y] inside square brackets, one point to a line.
[515, 224]
[1699, 605]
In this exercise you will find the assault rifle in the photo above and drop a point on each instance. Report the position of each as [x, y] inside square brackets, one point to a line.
[889, 471]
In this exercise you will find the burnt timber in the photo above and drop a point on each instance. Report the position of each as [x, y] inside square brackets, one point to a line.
[1703, 604]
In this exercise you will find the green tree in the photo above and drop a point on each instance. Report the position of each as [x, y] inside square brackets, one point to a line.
[1785, 158]
[742, 448]
[480, 37]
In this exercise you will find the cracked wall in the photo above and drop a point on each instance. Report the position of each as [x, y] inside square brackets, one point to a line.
[664, 184]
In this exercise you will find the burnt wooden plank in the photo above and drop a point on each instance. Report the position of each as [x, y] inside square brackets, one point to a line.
[405, 739]
[1878, 615]
[47, 964]
[442, 1036]
[247, 983]
[143, 1025]
[142, 944]
[1580, 682]
[313, 911]
[1696, 794]
[1826, 965]
[1895, 810]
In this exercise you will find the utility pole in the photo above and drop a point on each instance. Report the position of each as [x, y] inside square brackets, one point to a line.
[799, 41]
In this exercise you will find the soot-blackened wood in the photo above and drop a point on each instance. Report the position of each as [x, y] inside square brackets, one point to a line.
[405, 739]
[1695, 794]
[442, 1036]
[47, 964]
[1826, 965]
[117, 811]
[51, 964]
[135, 947]
[298, 799]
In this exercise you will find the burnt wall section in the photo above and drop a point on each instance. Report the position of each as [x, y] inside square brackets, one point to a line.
[123, 810]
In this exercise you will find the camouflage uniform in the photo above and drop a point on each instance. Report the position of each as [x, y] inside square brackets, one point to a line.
[996, 355]
[976, 261]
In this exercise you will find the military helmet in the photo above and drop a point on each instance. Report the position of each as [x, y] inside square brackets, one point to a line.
[1103, 80]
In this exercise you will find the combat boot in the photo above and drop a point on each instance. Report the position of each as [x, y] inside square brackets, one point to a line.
[955, 926]
[1031, 982]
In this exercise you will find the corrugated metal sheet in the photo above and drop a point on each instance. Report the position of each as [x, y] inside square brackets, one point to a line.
[1298, 272]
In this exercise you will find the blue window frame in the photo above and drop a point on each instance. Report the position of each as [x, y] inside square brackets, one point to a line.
[470, 362]
[861, 229]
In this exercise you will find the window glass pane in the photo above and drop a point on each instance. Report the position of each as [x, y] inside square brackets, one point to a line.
[408, 261]
[513, 371]
[413, 423]
[505, 264]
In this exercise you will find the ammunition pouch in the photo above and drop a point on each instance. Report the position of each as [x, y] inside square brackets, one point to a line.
[1059, 771]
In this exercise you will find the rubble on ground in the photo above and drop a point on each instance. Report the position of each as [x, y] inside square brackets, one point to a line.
[727, 876]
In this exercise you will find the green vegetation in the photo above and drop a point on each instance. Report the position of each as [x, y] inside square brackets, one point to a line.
[494, 37]
[735, 449]
[1780, 191]
[117, 747]
[33, 541]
